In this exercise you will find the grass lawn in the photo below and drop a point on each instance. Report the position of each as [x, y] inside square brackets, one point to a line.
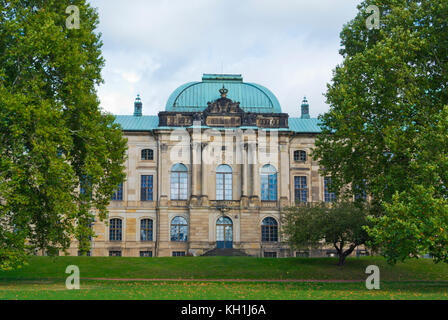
[44, 278]
[159, 290]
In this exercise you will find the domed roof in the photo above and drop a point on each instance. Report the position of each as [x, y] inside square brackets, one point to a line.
[193, 96]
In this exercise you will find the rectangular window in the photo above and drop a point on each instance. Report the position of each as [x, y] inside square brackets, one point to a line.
[329, 196]
[302, 254]
[145, 253]
[118, 195]
[331, 253]
[179, 186]
[360, 191]
[88, 253]
[146, 230]
[113, 253]
[84, 185]
[269, 187]
[300, 189]
[223, 186]
[270, 254]
[178, 253]
[115, 229]
[146, 193]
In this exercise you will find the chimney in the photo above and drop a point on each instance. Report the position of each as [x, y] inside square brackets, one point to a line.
[305, 109]
[138, 107]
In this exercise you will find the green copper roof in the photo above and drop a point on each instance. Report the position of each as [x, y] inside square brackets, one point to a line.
[137, 123]
[300, 125]
[193, 96]
[149, 123]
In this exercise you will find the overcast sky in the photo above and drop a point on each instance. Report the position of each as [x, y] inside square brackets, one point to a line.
[153, 46]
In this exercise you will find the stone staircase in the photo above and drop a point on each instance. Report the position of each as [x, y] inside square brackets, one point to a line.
[226, 253]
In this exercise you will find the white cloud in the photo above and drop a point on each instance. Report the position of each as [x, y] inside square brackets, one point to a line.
[152, 47]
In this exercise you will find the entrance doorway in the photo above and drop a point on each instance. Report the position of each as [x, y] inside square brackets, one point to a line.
[224, 233]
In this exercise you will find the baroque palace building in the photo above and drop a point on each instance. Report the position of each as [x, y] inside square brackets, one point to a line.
[211, 174]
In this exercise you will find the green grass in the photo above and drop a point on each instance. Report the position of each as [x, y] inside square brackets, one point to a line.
[226, 268]
[110, 290]
[44, 278]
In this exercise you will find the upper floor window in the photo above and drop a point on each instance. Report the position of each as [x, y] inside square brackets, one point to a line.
[118, 195]
[300, 189]
[269, 230]
[179, 182]
[146, 188]
[85, 187]
[146, 230]
[329, 196]
[360, 191]
[115, 230]
[268, 183]
[224, 182]
[147, 154]
[179, 229]
[300, 155]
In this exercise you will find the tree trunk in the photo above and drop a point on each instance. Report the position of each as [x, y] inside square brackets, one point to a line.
[341, 260]
[344, 254]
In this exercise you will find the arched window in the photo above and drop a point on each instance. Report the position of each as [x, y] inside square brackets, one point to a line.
[224, 182]
[268, 183]
[300, 155]
[115, 230]
[179, 229]
[179, 182]
[146, 230]
[147, 154]
[269, 230]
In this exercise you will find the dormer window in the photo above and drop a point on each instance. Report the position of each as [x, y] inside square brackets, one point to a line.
[147, 154]
[300, 155]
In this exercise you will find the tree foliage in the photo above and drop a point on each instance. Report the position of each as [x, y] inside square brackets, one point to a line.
[53, 135]
[387, 124]
[340, 225]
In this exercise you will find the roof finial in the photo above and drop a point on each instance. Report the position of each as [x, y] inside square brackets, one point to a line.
[305, 109]
[223, 91]
[138, 106]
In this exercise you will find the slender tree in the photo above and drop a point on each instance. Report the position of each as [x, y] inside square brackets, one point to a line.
[386, 128]
[61, 157]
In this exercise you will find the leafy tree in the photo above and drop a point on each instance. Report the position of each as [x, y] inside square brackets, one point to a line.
[340, 225]
[387, 123]
[53, 135]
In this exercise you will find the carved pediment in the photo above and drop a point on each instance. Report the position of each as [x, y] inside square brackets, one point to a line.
[223, 106]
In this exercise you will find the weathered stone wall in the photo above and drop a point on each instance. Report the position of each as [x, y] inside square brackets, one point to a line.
[200, 210]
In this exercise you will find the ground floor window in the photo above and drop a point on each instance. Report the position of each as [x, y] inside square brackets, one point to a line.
[88, 254]
[268, 254]
[331, 253]
[269, 230]
[178, 253]
[114, 253]
[302, 254]
[145, 253]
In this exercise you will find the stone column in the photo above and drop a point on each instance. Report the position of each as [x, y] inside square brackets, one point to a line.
[254, 174]
[205, 175]
[244, 191]
[284, 173]
[164, 175]
[196, 168]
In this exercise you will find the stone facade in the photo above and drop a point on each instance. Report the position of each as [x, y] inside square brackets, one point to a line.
[269, 140]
